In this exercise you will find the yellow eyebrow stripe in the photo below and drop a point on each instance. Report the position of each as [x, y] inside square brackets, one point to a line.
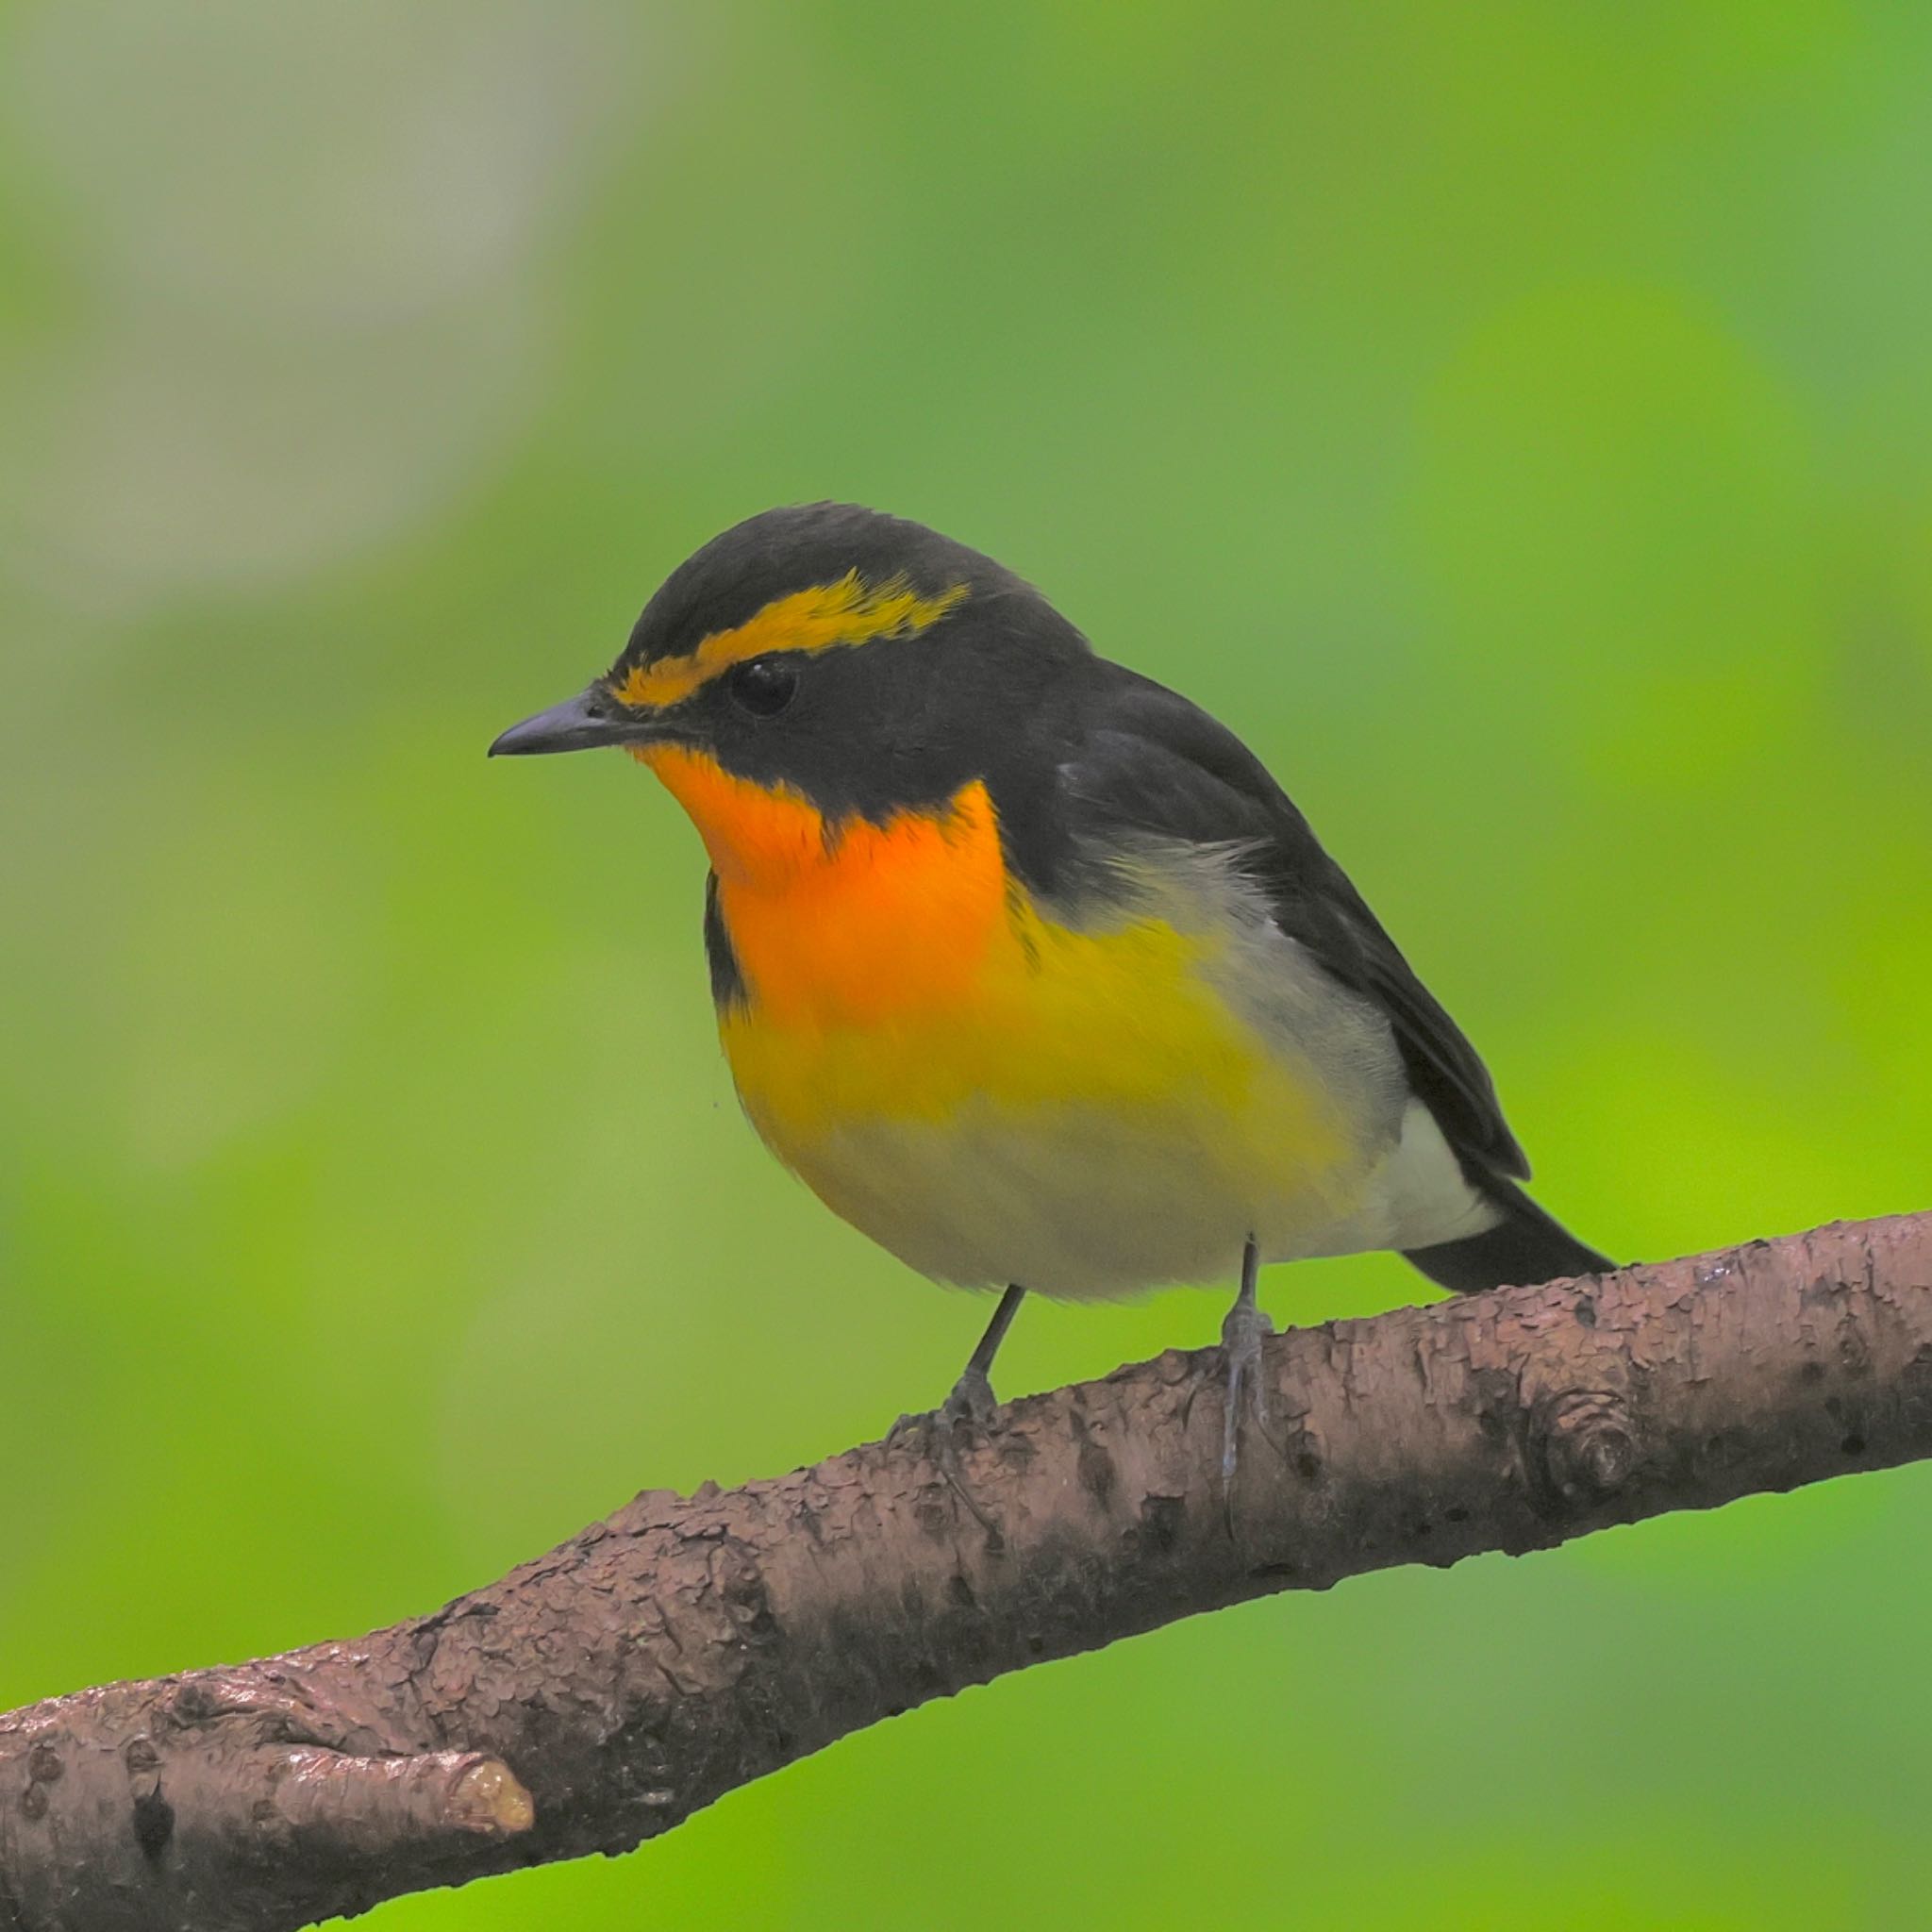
[850, 612]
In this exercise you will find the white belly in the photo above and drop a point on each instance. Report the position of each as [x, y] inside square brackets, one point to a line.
[1076, 1204]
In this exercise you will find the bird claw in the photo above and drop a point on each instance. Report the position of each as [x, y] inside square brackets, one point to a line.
[933, 1432]
[971, 1402]
[1242, 1332]
[935, 1435]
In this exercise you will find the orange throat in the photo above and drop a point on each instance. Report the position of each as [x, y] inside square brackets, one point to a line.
[848, 925]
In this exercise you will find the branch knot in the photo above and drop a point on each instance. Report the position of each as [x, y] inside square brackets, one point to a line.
[1586, 1443]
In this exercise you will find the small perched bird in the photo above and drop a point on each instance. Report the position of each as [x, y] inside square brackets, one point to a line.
[1023, 962]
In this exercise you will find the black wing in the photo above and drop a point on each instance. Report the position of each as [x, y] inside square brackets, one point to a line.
[1146, 759]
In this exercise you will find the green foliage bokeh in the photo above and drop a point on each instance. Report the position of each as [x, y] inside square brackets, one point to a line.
[1515, 415]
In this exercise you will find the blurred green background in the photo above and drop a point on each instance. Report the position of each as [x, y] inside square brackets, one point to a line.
[1516, 417]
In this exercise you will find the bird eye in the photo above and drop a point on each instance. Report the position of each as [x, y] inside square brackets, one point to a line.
[762, 686]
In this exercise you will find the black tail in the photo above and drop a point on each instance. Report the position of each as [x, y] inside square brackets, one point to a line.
[1523, 1248]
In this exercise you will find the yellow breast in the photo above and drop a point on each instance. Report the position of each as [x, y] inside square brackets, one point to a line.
[939, 1058]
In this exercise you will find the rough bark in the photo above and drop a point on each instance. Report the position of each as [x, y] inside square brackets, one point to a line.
[600, 1695]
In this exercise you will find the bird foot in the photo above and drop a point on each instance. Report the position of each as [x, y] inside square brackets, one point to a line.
[971, 1402]
[935, 1434]
[1242, 1332]
[969, 1407]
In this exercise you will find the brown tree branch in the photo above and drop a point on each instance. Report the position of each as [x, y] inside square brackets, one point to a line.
[602, 1692]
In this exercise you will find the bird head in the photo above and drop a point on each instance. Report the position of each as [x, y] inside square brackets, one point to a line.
[826, 663]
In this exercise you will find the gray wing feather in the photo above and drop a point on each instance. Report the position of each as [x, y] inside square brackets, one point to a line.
[1148, 761]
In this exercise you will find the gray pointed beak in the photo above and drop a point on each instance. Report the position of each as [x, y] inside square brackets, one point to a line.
[591, 718]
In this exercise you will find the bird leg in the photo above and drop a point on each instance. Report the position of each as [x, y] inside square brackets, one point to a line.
[1241, 1333]
[970, 1403]
[971, 1400]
